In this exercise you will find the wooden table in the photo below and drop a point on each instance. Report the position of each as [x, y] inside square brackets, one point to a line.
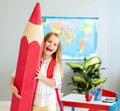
[78, 100]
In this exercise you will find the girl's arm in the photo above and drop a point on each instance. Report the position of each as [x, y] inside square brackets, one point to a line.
[13, 88]
[49, 81]
[53, 82]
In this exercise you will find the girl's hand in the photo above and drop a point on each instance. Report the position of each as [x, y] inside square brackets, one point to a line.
[39, 76]
[15, 91]
[48, 81]
[60, 94]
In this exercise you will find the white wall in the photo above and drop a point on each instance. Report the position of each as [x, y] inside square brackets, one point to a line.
[14, 15]
[113, 51]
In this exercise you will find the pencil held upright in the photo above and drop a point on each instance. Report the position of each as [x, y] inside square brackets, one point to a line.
[29, 58]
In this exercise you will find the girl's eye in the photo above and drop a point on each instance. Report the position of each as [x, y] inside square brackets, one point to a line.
[55, 44]
[49, 41]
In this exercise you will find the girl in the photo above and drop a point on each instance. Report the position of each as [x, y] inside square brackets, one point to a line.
[45, 96]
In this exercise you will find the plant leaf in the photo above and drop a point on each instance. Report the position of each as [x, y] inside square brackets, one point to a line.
[75, 65]
[93, 61]
[98, 81]
[78, 79]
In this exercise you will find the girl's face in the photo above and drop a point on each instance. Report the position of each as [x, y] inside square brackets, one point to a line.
[51, 45]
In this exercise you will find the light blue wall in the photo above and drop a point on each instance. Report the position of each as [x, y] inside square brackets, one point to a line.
[13, 19]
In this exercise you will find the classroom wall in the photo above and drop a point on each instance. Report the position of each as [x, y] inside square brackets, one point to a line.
[13, 19]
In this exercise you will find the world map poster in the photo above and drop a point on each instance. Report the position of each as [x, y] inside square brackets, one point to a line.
[78, 35]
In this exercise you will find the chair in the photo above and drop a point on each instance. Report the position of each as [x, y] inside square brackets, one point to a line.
[109, 93]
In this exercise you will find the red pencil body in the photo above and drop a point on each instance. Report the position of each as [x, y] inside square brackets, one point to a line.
[28, 62]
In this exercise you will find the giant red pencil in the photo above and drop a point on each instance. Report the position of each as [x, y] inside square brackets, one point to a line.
[28, 61]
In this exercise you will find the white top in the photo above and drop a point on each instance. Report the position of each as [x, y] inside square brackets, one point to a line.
[45, 95]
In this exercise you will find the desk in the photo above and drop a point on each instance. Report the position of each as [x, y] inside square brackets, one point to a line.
[78, 100]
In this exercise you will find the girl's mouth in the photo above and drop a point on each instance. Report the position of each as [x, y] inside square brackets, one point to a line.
[48, 49]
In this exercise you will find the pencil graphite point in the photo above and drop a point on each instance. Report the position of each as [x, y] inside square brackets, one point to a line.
[36, 17]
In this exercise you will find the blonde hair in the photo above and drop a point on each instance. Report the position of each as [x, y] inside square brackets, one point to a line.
[58, 53]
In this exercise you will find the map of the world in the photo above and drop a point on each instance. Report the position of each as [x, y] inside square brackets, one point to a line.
[78, 35]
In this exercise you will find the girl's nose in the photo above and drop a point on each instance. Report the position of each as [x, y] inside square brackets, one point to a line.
[51, 44]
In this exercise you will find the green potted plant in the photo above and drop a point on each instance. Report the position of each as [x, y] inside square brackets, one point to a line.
[88, 75]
